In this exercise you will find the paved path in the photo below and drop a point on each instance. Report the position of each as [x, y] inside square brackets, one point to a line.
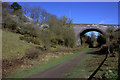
[59, 70]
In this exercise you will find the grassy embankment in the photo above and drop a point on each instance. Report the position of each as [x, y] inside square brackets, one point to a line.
[13, 47]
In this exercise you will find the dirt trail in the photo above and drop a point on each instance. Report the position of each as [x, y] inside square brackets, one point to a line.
[59, 70]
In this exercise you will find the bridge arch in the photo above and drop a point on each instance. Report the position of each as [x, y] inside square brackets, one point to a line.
[90, 29]
[82, 32]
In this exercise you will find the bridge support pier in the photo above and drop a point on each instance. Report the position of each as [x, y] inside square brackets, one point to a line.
[78, 41]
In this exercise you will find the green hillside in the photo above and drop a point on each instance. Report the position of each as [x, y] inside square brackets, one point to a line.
[12, 46]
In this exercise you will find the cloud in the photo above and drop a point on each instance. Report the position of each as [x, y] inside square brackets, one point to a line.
[102, 22]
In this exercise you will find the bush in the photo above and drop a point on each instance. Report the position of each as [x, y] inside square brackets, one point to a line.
[69, 37]
[63, 35]
[29, 29]
[28, 39]
[32, 53]
[10, 24]
[21, 37]
[46, 38]
[104, 49]
[36, 40]
[54, 41]
[10, 21]
[63, 31]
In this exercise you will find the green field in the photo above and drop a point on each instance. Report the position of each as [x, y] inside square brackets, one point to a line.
[12, 46]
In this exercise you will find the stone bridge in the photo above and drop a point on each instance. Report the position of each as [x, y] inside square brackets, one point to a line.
[81, 29]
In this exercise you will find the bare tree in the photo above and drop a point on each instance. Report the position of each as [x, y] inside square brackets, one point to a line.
[38, 11]
[52, 20]
[44, 16]
[26, 9]
[32, 12]
[66, 21]
[37, 14]
[69, 22]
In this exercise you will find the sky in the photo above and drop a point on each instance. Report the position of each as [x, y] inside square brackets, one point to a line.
[81, 12]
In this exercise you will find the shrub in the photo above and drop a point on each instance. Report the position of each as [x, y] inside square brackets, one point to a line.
[28, 29]
[28, 39]
[63, 35]
[36, 40]
[32, 53]
[69, 37]
[54, 41]
[27, 35]
[46, 38]
[21, 37]
[104, 49]
[63, 31]
[10, 23]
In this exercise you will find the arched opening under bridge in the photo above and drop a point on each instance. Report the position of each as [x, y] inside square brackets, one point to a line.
[92, 38]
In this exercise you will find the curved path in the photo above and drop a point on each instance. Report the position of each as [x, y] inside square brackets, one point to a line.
[59, 70]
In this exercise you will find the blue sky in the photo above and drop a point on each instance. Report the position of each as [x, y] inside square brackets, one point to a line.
[82, 12]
